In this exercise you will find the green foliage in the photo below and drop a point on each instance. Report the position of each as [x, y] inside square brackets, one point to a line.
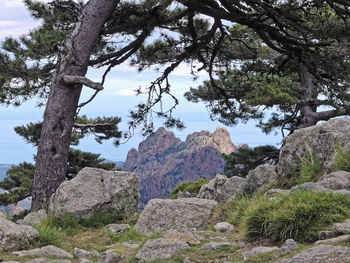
[342, 160]
[299, 215]
[311, 169]
[49, 233]
[239, 163]
[191, 187]
[18, 183]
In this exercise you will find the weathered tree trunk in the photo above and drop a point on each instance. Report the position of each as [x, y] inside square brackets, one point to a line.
[52, 155]
[307, 108]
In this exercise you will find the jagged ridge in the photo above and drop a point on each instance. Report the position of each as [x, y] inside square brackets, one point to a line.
[162, 161]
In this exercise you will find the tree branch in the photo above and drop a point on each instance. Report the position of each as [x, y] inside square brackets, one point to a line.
[72, 80]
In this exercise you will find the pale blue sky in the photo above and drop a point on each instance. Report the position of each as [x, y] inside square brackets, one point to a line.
[116, 100]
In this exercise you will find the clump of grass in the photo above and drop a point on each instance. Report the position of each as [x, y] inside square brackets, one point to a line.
[311, 169]
[299, 215]
[191, 187]
[342, 160]
[49, 234]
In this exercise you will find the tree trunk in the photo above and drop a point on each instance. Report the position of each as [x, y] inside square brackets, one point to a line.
[307, 107]
[52, 155]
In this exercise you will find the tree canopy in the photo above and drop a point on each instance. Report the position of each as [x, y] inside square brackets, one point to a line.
[52, 60]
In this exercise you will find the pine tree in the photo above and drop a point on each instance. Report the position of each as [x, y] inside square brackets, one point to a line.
[278, 91]
[19, 181]
[239, 163]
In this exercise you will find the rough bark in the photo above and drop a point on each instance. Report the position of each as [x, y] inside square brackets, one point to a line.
[51, 160]
[307, 108]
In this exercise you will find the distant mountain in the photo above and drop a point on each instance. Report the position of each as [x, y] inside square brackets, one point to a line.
[162, 161]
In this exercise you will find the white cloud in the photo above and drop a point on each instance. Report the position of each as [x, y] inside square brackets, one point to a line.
[8, 23]
[125, 92]
[11, 3]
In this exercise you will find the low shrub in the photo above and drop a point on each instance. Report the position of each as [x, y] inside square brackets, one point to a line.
[191, 187]
[299, 215]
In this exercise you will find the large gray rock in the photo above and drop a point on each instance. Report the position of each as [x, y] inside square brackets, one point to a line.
[48, 251]
[321, 140]
[321, 254]
[33, 218]
[342, 228]
[260, 178]
[164, 214]
[95, 190]
[160, 248]
[339, 180]
[14, 236]
[222, 188]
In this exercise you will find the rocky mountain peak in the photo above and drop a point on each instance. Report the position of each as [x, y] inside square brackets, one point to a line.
[162, 160]
[219, 139]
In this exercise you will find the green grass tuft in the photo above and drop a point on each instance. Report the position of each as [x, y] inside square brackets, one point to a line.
[49, 234]
[342, 160]
[311, 169]
[299, 215]
[192, 187]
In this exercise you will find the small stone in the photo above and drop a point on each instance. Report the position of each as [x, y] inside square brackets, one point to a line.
[160, 248]
[215, 245]
[44, 251]
[288, 246]
[84, 260]
[326, 234]
[257, 251]
[342, 228]
[334, 240]
[117, 229]
[224, 227]
[81, 253]
[131, 244]
[111, 258]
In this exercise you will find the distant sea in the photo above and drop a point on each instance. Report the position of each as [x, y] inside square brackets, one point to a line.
[3, 170]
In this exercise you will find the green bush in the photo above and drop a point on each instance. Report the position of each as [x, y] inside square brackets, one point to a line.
[299, 215]
[342, 160]
[311, 169]
[49, 234]
[192, 187]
